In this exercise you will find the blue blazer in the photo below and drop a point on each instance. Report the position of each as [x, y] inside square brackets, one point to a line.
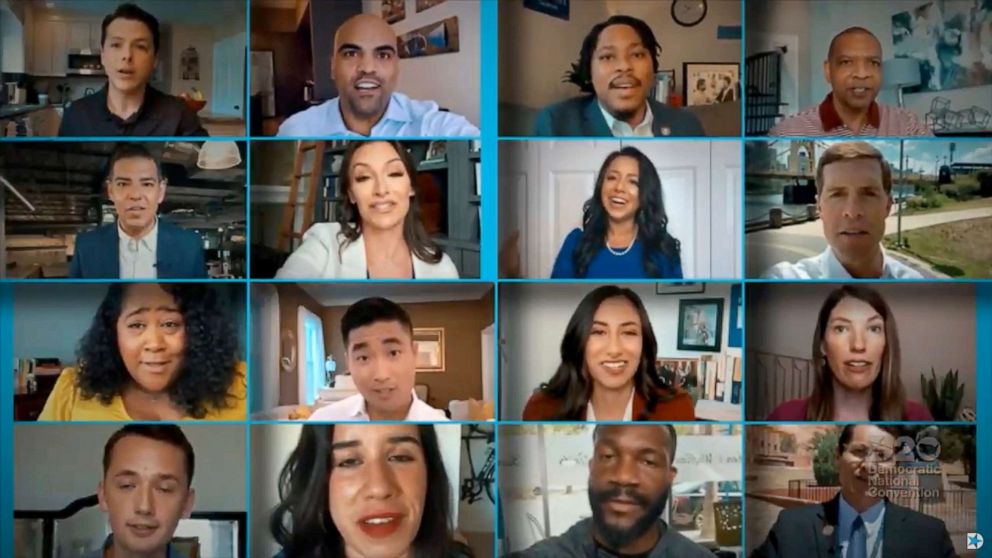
[179, 254]
[580, 116]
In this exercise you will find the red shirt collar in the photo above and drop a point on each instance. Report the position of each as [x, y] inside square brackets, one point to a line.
[829, 118]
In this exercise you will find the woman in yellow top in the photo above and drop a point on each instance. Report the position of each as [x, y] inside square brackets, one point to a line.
[154, 352]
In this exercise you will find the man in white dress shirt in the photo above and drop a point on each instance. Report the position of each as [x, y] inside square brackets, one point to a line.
[853, 198]
[382, 360]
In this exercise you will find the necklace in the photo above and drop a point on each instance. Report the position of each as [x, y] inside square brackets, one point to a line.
[625, 250]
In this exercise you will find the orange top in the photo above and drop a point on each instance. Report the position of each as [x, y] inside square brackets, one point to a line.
[541, 406]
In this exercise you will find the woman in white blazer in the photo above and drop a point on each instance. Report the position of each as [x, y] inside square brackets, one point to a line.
[379, 233]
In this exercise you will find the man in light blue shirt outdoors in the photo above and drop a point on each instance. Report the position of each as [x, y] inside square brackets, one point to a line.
[365, 66]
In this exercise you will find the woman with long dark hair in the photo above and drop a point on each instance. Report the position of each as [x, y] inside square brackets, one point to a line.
[362, 490]
[608, 369]
[155, 351]
[379, 233]
[857, 362]
[624, 232]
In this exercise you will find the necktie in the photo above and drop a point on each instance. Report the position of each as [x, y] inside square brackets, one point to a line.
[858, 546]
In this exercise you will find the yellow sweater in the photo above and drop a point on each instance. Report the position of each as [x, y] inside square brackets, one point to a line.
[66, 403]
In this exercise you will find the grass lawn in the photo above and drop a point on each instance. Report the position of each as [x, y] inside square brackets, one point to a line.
[959, 248]
[970, 204]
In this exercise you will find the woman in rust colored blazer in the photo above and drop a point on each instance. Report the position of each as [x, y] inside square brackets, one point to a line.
[608, 369]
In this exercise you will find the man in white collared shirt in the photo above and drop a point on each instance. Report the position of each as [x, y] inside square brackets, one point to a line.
[365, 67]
[853, 198]
[382, 360]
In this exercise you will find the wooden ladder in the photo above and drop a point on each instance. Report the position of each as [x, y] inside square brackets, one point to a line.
[314, 177]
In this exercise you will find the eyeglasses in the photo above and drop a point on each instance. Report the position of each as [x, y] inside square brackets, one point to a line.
[874, 453]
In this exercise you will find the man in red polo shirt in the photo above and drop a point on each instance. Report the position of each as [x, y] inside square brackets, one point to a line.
[853, 69]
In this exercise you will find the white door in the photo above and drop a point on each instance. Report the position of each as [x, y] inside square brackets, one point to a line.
[228, 97]
[514, 160]
[488, 353]
[264, 347]
[725, 204]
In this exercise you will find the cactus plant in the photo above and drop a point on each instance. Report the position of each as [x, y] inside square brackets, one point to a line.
[944, 402]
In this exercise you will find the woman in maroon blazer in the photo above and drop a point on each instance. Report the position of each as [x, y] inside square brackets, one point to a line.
[857, 362]
[608, 369]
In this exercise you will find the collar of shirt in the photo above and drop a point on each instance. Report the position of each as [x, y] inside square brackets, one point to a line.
[398, 111]
[833, 269]
[149, 242]
[872, 517]
[621, 129]
[628, 413]
[146, 108]
[830, 120]
[109, 542]
[357, 409]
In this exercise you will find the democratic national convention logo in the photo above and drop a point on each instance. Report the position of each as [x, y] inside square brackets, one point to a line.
[975, 541]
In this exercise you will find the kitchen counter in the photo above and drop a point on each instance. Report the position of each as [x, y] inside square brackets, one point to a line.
[222, 126]
[10, 111]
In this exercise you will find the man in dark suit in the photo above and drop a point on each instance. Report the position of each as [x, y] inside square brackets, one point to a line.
[138, 245]
[859, 522]
[616, 67]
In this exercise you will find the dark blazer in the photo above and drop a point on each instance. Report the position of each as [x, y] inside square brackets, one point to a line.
[811, 531]
[580, 116]
[179, 254]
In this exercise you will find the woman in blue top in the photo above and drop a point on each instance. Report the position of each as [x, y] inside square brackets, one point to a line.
[624, 232]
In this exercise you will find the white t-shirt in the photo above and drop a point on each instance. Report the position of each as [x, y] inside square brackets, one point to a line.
[827, 266]
[353, 408]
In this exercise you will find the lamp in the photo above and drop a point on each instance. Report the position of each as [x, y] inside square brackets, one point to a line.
[218, 155]
[899, 73]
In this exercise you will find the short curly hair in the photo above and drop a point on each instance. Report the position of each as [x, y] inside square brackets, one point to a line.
[210, 357]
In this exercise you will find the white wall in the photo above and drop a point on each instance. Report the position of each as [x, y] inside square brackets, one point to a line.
[533, 318]
[271, 445]
[202, 39]
[452, 79]
[536, 49]
[42, 482]
[543, 185]
[781, 319]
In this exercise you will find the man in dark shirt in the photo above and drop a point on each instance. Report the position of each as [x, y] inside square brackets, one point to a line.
[127, 105]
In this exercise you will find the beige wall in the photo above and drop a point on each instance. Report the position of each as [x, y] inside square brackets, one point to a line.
[452, 80]
[936, 326]
[536, 49]
[463, 322]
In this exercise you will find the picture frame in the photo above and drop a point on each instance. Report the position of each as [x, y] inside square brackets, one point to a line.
[554, 8]
[436, 151]
[440, 37]
[429, 344]
[393, 10]
[680, 287]
[709, 83]
[427, 4]
[685, 370]
[700, 324]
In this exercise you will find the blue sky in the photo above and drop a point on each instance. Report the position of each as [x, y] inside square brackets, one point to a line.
[921, 153]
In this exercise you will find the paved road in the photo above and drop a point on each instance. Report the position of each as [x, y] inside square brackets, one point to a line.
[767, 247]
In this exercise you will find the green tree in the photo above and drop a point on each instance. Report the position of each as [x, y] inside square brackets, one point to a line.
[824, 447]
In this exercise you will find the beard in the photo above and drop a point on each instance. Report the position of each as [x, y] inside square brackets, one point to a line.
[613, 536]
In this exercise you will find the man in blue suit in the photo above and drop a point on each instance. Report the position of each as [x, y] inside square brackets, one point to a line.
[138, 245]
[616, 67]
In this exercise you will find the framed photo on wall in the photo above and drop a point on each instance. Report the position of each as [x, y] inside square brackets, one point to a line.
[709, 83]
[680, 287]
[700, 324]
[429, 342]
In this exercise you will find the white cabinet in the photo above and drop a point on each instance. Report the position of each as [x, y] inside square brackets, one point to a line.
[79, 35]
[49, 48]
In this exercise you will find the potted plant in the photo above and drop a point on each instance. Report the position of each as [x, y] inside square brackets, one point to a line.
[944, 401]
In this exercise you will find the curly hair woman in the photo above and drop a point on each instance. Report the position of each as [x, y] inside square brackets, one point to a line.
[624, 232]
[154, 352]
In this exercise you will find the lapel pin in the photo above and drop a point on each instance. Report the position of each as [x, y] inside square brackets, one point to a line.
[666, 131]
